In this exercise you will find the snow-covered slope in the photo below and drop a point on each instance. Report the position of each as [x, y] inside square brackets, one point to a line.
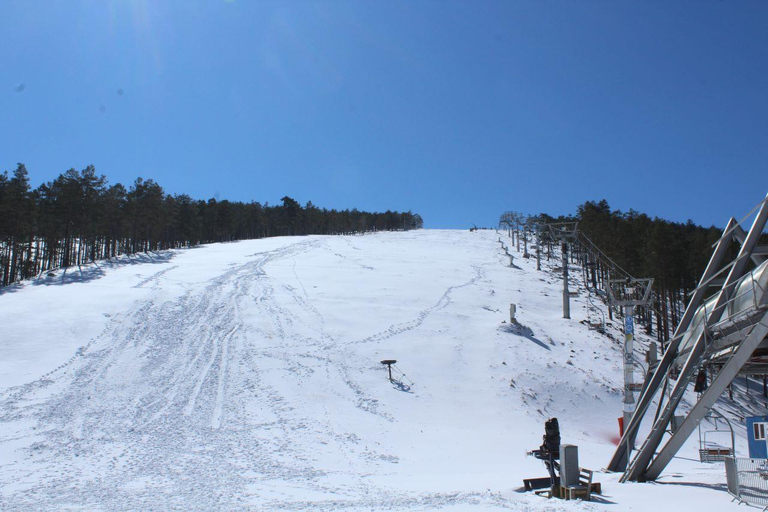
[248, 375]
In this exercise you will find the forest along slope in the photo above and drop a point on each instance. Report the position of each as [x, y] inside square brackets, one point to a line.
[248, 374]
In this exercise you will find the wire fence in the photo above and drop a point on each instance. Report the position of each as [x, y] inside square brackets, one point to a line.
[747, 480]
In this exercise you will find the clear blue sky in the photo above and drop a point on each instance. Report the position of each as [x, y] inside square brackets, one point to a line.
[457, 110]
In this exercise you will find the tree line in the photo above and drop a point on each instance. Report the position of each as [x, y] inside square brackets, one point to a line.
[79, 218]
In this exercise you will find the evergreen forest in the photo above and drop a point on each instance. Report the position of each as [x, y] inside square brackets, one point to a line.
[674, 254]
[79, 218]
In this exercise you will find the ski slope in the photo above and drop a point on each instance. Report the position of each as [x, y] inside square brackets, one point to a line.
[247, 376]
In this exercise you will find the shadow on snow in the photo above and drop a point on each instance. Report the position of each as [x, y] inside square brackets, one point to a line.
[90, 271]
[523, 331]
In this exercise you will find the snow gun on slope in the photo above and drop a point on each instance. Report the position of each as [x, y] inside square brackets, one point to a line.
[549, 452]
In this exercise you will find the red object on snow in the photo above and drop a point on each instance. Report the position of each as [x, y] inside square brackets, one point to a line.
[621, 426]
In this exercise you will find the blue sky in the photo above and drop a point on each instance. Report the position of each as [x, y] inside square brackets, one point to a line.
[457, 110]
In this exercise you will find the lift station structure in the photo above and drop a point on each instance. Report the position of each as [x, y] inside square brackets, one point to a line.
[723, 333]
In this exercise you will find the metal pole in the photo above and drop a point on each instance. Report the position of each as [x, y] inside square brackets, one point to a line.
[566, 293]
[629, 334]
[538, 251]
[525, 243]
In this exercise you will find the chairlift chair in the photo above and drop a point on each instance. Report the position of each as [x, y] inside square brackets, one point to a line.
[712, 451]
[598, 325]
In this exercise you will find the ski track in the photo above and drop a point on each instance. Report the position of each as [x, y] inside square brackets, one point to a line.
[442, 303]
[192, 363]
[156, 276]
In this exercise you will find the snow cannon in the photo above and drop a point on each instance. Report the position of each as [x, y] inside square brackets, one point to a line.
[549, 452]
[550, 449]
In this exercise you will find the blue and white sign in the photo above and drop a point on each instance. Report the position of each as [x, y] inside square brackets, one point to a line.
[629, 325]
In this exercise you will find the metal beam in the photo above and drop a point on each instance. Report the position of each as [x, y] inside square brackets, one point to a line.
[637, 469]
[757, 253]
[748, 215]
[716, 283]
[708, 399]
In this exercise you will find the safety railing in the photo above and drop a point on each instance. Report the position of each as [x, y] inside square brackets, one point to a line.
[747, 480]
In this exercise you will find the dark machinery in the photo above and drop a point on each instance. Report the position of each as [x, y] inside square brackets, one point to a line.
[549, 452]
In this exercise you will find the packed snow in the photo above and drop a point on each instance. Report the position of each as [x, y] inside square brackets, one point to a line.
[247, 376]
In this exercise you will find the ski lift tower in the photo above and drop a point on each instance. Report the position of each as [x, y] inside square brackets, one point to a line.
[538, 226]
[564, 232]
[534, 226]
[628, 294]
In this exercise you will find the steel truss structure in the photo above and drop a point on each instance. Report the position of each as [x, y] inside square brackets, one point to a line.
[725, 333]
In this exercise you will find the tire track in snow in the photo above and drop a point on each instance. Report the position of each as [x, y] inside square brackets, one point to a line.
[217, 410]
[201, 379]
[206, 303]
